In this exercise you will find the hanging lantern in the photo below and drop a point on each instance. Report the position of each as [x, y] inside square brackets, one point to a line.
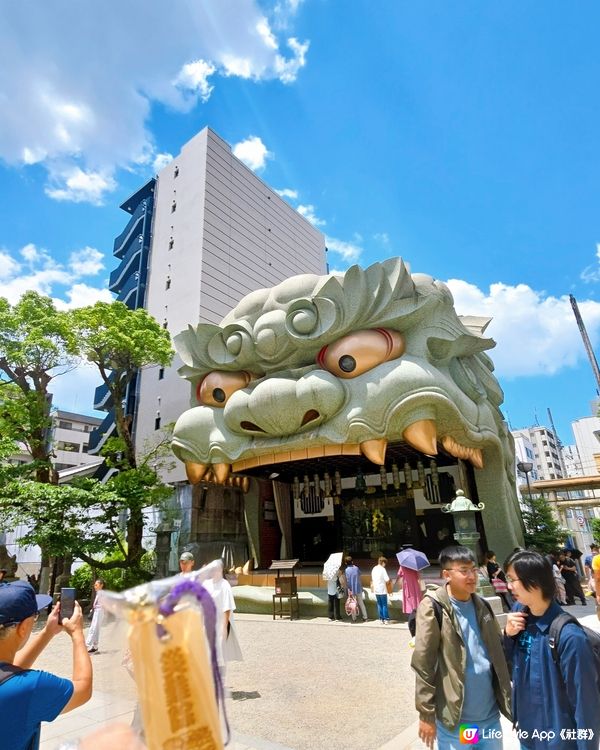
[383, 475]
[338, 483]
[306, 485]
[296, 488]
[435, 477]
[395, 476]
[421, 473]
[317, 485]
[408, 476]
[327, 484]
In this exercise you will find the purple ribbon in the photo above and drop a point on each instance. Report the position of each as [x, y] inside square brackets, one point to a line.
[209, 611]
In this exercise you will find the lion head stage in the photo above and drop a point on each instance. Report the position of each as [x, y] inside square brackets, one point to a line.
[322, 366]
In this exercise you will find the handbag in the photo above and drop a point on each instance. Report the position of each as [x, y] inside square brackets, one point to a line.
[351, 606]
[339, 590]
[499, 585]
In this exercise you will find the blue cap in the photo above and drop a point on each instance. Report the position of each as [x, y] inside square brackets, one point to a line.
[18, 601]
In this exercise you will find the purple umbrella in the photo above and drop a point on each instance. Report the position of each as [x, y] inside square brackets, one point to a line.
[413, 559]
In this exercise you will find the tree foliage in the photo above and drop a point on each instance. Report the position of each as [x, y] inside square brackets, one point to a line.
[542, 530]
[120, 341]
[37, 343]
[595, 524]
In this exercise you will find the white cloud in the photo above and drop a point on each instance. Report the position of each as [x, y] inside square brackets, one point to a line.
[592, 272]
[83, 119]
[43, 274]
[349, 251]
[288, 193]
[383, 238]
[74, 184]
[252, 152]
[161, 161]
[308, 212]
[536, 333]
[80, 295]
[287, 68]
[8, 265]
[86, 262]
[193, 78]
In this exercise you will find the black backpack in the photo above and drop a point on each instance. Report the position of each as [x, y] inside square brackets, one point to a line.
[592, 636]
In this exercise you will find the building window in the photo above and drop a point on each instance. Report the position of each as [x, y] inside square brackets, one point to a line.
[171, 243]
[84, 448]
[157, 423]
[64, 445]
[65, 425]
[176, 171]
[168, 283]
[161, 373]
[173, 206]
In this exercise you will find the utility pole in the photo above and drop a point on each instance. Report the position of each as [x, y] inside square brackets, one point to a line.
[586, 342]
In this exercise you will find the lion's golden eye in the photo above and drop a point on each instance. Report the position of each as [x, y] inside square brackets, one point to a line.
[216, 388]
[360, 352]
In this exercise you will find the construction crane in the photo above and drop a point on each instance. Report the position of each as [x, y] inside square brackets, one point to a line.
[586, 341]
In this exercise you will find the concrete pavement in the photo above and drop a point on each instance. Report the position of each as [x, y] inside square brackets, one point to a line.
[303, 685]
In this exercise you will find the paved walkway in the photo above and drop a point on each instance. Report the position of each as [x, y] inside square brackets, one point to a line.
[295, 689]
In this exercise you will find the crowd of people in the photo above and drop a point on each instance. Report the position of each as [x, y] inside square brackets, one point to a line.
[542, 672]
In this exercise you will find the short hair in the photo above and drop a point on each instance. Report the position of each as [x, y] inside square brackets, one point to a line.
[489, 554]
[348, 560]
[455, 554]
[382, 559]
[6, 630]
[101, 581]
[533, 571]
[594, 546]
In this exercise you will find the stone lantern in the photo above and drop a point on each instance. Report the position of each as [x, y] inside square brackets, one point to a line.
[463, 512]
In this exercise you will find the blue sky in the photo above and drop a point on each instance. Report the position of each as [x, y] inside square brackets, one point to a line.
[461, 136]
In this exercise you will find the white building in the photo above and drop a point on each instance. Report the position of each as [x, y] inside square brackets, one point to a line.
[218, 233]
[547, 459]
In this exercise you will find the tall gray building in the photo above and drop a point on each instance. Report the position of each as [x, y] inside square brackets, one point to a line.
[201, 236]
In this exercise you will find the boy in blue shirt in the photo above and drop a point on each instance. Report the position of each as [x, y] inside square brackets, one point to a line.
[555, 706]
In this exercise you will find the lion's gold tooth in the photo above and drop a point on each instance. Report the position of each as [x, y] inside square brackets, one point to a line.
[195, 472]
[374, 450]
[245, 484]
[221, 472]
[422, 436]
[209, 476]
[477, 458]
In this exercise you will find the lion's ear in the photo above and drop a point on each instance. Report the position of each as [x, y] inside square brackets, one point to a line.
[464, 345]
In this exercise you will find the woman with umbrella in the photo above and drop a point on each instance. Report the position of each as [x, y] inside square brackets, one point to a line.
[409, 581]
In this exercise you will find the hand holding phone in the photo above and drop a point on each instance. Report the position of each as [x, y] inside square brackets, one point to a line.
[67, 604]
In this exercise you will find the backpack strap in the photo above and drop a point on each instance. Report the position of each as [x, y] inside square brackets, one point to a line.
[8, 670]
[554, 631]
[438, 610]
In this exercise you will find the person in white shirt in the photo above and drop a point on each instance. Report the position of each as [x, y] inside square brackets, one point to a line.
[93, 635]
[228, 648]
[379, 586]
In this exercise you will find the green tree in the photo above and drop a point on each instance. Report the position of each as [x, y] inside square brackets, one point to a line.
[37, 344]
[595, 524]
[120, 342]
[542, 530]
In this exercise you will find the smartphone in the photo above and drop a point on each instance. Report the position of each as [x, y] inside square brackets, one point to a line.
[67, 604]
